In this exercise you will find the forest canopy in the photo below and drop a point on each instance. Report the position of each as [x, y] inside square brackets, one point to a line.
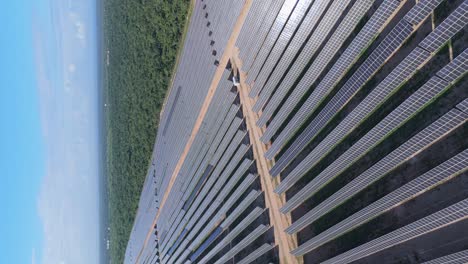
[142, 39]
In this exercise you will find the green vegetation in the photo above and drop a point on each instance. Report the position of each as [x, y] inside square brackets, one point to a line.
[143, 39]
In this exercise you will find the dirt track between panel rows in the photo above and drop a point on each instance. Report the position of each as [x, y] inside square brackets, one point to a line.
[274, 202]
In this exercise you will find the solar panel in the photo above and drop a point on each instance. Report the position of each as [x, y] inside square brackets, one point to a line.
[256, 254]
[221, 133]
[449, 27]
[232, 234]
[463, 106]
[421, 10]
[251, 25]
[211, 180]
[456, 69]
[226, 140]
[198, 143]
[220, 182]
[240, 209]
[258, 38]
[226, 206]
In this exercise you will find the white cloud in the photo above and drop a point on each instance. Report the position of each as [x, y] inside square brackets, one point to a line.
[80, 28]
[71, 67]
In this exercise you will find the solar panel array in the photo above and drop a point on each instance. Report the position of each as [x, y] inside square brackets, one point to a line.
[367, 69]
[323, 78]
[272, 36]
[420, 12]
[339, 36]
[283, 40]
[358, 45]
[453, 71]
[298, 40]
[256, 254]
[416, 144]
[394, 80]
[423, 183]
[193, 227]
[257, 37]
[308, 50]
[395, 119]
[453, 24]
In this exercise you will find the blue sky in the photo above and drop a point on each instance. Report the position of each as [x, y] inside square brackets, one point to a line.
[49, 135]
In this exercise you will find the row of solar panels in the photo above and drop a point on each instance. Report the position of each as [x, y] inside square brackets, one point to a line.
[301, 78]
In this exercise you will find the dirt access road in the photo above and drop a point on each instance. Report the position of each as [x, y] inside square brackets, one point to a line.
[274, 202]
